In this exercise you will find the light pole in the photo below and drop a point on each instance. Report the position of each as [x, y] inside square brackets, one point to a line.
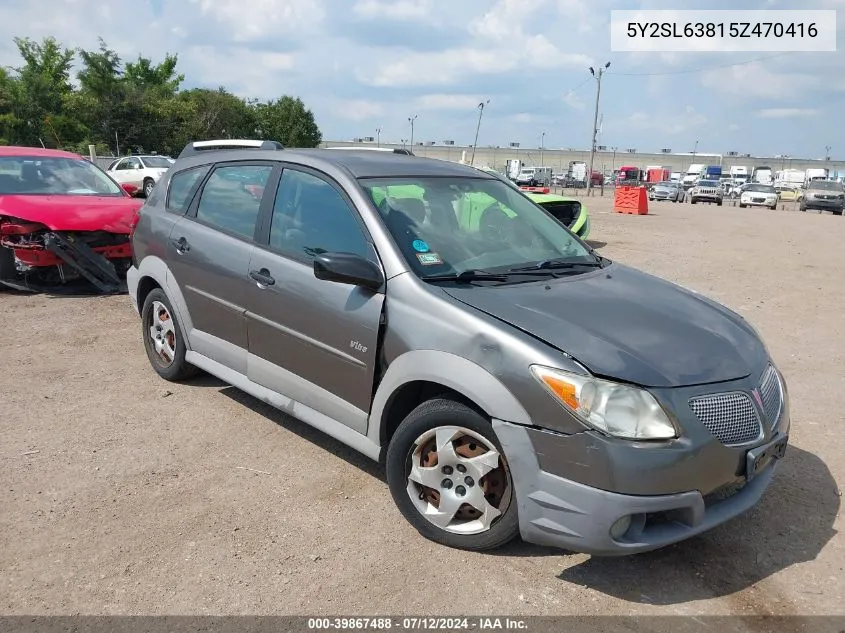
[378, 136]
[411, 120]
[613, 168]
[542, 146]
[403, 141]
[695, 149]
[598, 77]
[477, 128]
[827, 149]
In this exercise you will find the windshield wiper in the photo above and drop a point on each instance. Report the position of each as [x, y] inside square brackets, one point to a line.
[467, 275]
[559, 264]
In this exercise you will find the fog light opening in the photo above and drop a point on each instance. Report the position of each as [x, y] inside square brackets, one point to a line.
[620, 527]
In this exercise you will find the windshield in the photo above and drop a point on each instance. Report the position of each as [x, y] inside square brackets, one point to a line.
[157, 162]
[826, 185]
[708, 183]
[666, 183]
[35, 175]
[761, 189]
[453, 225]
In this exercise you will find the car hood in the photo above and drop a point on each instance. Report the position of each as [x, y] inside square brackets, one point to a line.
[73, 213]
[625, 324]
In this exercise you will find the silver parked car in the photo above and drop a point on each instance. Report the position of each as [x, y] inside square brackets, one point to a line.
[706, 191]
[667, 191]
[512, 380]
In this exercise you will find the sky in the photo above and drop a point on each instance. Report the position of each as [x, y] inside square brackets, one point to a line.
[361, 65]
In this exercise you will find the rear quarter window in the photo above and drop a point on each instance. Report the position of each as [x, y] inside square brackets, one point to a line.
[182, 187]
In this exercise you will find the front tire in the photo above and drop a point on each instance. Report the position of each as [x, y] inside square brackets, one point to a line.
[449, 477]
[163, 338]
[693, 200]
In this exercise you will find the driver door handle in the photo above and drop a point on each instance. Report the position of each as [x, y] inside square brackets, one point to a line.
[181, 245]
[263, 277]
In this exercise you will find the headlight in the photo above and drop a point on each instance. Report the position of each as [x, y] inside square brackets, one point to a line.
[612, 408]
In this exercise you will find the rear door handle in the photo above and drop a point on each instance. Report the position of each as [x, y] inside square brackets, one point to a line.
[263, 277]
[181, 245]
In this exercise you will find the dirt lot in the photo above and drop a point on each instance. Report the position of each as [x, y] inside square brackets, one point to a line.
[123, 494]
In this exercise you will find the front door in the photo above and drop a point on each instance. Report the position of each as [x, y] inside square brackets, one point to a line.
[311, 340]
[208, 255]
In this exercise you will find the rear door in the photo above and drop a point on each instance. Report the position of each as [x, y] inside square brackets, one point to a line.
[314, 341]
[209, 253]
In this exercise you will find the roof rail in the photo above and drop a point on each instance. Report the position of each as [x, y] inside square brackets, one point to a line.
[197, 147]
[395, 150]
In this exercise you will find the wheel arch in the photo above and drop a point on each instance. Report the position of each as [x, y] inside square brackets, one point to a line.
[421, 375]
[154, 273]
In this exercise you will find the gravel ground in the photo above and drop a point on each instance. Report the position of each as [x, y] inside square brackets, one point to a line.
[123, 494]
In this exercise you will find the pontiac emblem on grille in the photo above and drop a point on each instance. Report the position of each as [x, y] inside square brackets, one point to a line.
[756, 394]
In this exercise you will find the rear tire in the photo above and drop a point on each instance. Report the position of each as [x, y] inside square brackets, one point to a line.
[438, 439]
[166, 351]
[7, 264]
[741, 206]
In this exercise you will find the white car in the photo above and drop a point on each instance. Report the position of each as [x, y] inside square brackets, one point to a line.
[141, 171]
[759, 195]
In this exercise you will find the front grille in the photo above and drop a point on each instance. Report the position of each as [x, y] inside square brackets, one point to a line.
[772, 395]
[731, 417]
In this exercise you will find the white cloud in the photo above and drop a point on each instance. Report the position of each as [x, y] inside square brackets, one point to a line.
[787, 113]
[392, 9]
[448, 102]
[358, 110]
[251, 20]
[241, 70]
[675, 123]
[506, 18]
[755, 81]
[447, 67]
[574, 101]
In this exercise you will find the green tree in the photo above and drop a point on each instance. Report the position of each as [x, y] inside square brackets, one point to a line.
[288, 121]
[138, 105]
[42, 84]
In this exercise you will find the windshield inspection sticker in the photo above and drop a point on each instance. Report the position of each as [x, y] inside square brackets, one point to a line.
[429, 259]
[420, 246]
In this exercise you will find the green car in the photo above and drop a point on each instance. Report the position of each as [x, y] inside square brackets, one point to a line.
[569, 211]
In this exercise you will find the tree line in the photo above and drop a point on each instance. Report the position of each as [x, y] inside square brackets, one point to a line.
[130, 106]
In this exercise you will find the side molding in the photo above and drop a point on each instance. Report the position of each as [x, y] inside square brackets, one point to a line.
[449, 370]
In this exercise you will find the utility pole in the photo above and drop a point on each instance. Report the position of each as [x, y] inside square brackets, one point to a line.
[477, 128]
[542, 147]
[613, 167]
[378, 136]
[598, 77]
[411, 120]
[827, 149]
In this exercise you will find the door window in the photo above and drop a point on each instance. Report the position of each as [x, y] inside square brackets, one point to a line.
[311, 217]
[231, 198]
[182, 186]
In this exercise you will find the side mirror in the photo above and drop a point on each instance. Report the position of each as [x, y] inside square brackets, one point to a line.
[128, 188]
[346, 268]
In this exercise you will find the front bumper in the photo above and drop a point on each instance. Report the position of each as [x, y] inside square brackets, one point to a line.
[824, 205]
[749, 202]
[558, 512]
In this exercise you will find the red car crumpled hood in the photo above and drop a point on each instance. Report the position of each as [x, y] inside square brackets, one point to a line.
[73, 213]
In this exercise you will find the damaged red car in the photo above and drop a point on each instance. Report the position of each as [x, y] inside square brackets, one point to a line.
[64, 223]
